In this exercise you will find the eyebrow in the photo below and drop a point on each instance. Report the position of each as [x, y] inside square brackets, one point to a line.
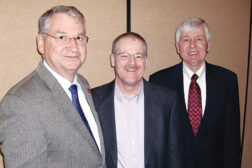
[185, 36]
[59, 32]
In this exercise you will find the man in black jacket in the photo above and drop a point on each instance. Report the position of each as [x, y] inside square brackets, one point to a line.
[211, 112]
[140, 121]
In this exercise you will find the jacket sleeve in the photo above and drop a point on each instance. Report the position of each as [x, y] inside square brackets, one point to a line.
[232, 146]
[21, 135]
[175, 137]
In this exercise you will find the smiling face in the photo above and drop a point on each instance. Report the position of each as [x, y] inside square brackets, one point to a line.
[193, 47]
[64, 59]
[129, 72]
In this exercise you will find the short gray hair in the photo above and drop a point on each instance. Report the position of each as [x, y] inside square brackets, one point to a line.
[190, 24]
[44, 20]
[132, 35]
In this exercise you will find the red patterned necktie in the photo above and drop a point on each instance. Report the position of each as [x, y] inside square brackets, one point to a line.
[194, 104]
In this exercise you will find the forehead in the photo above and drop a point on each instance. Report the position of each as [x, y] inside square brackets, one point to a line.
[195, 31]
[130, 44]
[61, 22]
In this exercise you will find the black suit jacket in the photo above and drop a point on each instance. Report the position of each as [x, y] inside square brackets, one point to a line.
[162, 126]
[217, 144]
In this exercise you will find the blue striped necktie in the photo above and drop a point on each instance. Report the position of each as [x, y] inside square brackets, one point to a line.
[75, 101]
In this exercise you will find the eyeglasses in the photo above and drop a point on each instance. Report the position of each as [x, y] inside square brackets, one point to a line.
[127, 56]
[65, 39]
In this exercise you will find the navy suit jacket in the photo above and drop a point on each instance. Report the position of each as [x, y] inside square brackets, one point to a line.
[217, 143]
[162, 126]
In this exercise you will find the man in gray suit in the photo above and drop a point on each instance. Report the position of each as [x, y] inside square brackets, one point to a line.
[48, 120]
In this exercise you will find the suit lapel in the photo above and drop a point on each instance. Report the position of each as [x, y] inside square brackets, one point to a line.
[64, 105]
[87, 93]
[107, 117]
[180, 89]
[181, 97]
[211, 96]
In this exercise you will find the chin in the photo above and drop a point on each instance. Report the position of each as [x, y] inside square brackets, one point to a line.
[133, 83]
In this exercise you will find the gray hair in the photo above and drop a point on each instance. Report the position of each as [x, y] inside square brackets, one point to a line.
[128, 34]
[191, 24]
[44, 20]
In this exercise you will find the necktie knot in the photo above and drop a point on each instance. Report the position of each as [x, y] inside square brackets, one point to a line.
[194, 77]
[73, 89]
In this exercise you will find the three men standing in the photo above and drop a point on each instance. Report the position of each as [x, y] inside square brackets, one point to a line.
[49, 120]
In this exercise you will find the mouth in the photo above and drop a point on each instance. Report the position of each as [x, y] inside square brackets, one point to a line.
[72, 56]
[131, 68]
[193, 53]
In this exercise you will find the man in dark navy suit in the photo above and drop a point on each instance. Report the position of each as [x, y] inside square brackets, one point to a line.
[211, 114]
[140, 121]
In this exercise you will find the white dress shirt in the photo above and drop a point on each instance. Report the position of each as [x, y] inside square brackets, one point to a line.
[187, 74]
[65, 84]
[129, 119]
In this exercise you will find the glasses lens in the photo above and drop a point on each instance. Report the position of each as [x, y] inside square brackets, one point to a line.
[81, 40]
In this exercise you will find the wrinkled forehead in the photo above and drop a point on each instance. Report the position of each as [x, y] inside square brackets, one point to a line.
[129, 38]
[192, 30]
[130, 42]
[58, 19]
[193, 27]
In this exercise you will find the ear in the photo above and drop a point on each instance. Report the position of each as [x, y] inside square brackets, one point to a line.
[208, 47]
[40, 44]
[177, 47]
[112, 60]
[146, 61]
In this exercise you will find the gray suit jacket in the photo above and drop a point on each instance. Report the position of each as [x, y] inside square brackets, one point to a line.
[41, 128]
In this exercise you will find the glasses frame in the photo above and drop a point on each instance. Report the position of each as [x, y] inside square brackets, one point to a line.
[68, 39]
[128, 56]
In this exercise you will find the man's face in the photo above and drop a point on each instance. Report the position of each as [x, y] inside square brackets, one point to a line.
[129, 71]
[193, 47]
[65, 59]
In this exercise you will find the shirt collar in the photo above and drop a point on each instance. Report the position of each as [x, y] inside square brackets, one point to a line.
[63, 81]
[188, 73]
[121, 97]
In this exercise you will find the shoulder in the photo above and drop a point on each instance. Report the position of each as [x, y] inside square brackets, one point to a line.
[166, 71]
[101, 93]
[27, 86]
[169, 77]
[103, 89]
[26, 96]
[220, 73]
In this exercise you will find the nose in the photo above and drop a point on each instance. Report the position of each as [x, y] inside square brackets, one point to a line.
[73, 44]
[132, 60]
[192, 44]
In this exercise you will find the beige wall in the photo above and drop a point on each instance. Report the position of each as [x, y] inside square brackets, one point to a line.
[156, 20]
